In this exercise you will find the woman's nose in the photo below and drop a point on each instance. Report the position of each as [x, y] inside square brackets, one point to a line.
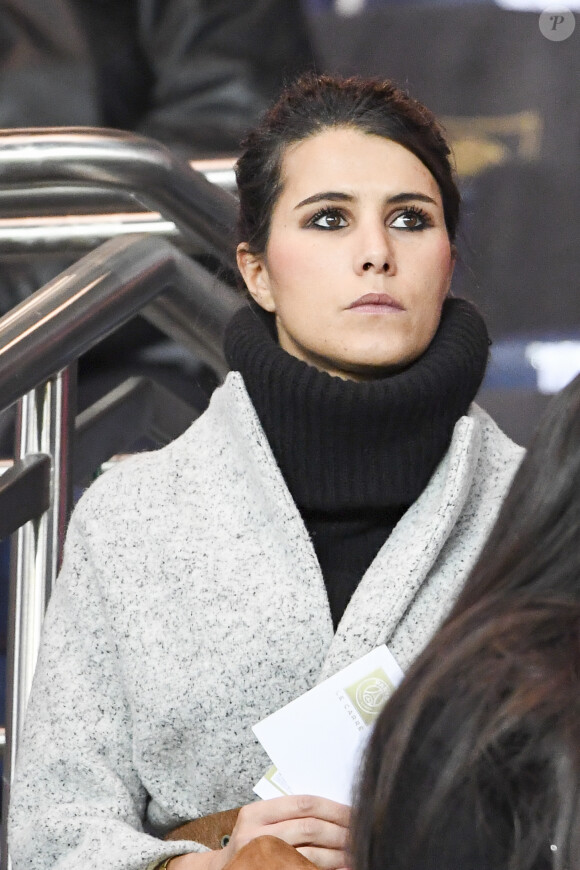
[374, 253]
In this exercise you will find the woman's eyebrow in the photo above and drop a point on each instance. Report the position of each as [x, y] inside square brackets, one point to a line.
[404, 197]
[336, 196]
[332, 195]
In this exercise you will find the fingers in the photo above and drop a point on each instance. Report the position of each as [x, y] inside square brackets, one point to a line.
[316, 826]
[311, 832]
[298, 807]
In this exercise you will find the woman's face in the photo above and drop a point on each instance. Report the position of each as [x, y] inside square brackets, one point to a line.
[358, 260]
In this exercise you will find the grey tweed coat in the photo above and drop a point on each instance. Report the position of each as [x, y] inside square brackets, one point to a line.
[190, 605]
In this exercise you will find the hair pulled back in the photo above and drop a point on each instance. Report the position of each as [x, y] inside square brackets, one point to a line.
[315, 103]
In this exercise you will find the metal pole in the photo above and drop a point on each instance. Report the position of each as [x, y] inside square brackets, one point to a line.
[44, 426]
[127, 163]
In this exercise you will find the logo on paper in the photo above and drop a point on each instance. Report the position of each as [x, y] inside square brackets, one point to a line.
[368, 695]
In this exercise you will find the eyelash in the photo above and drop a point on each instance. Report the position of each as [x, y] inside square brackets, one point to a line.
[327, 210]
[332, 210]
[418, 212]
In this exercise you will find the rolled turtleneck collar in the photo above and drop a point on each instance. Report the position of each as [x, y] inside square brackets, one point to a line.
[347, 445]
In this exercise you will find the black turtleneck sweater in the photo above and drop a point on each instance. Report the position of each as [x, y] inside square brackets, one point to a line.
[356, 454]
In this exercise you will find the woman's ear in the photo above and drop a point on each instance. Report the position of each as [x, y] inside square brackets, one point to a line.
[254, 271]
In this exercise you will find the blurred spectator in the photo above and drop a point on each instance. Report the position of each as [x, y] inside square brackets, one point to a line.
[192, 73]
[45, 76]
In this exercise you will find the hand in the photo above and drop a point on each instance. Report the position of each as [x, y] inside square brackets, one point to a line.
[317, 827]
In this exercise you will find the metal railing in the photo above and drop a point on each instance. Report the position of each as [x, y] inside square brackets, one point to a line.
[46, 171]
[42, 337]
[48, 220]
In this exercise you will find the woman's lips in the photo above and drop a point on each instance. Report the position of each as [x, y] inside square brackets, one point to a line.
[374, 303]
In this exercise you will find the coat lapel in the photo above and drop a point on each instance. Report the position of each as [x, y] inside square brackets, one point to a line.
[303, 586]
[388, 588]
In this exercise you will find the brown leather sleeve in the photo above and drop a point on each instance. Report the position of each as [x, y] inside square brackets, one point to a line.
[263, 853]
[209, 830]
[269, 853]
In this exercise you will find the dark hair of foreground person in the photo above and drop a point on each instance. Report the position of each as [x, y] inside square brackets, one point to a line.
[475, 761]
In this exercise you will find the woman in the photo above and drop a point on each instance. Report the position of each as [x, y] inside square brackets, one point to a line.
[475, 761]
[332, 498]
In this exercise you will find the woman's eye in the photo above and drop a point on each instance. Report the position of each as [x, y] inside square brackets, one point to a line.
[410, 220]
[328, 220]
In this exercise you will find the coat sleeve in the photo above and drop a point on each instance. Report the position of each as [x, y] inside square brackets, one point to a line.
[215, 65]
[77, 800]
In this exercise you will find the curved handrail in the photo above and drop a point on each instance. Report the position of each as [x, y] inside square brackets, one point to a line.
[71, 235]
[96, 295]
[52, 201]
[112, 159]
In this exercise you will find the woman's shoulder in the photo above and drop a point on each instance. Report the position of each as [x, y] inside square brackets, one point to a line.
[207, 449]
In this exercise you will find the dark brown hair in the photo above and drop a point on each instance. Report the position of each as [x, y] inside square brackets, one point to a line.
[475, 761]
[315, 103]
